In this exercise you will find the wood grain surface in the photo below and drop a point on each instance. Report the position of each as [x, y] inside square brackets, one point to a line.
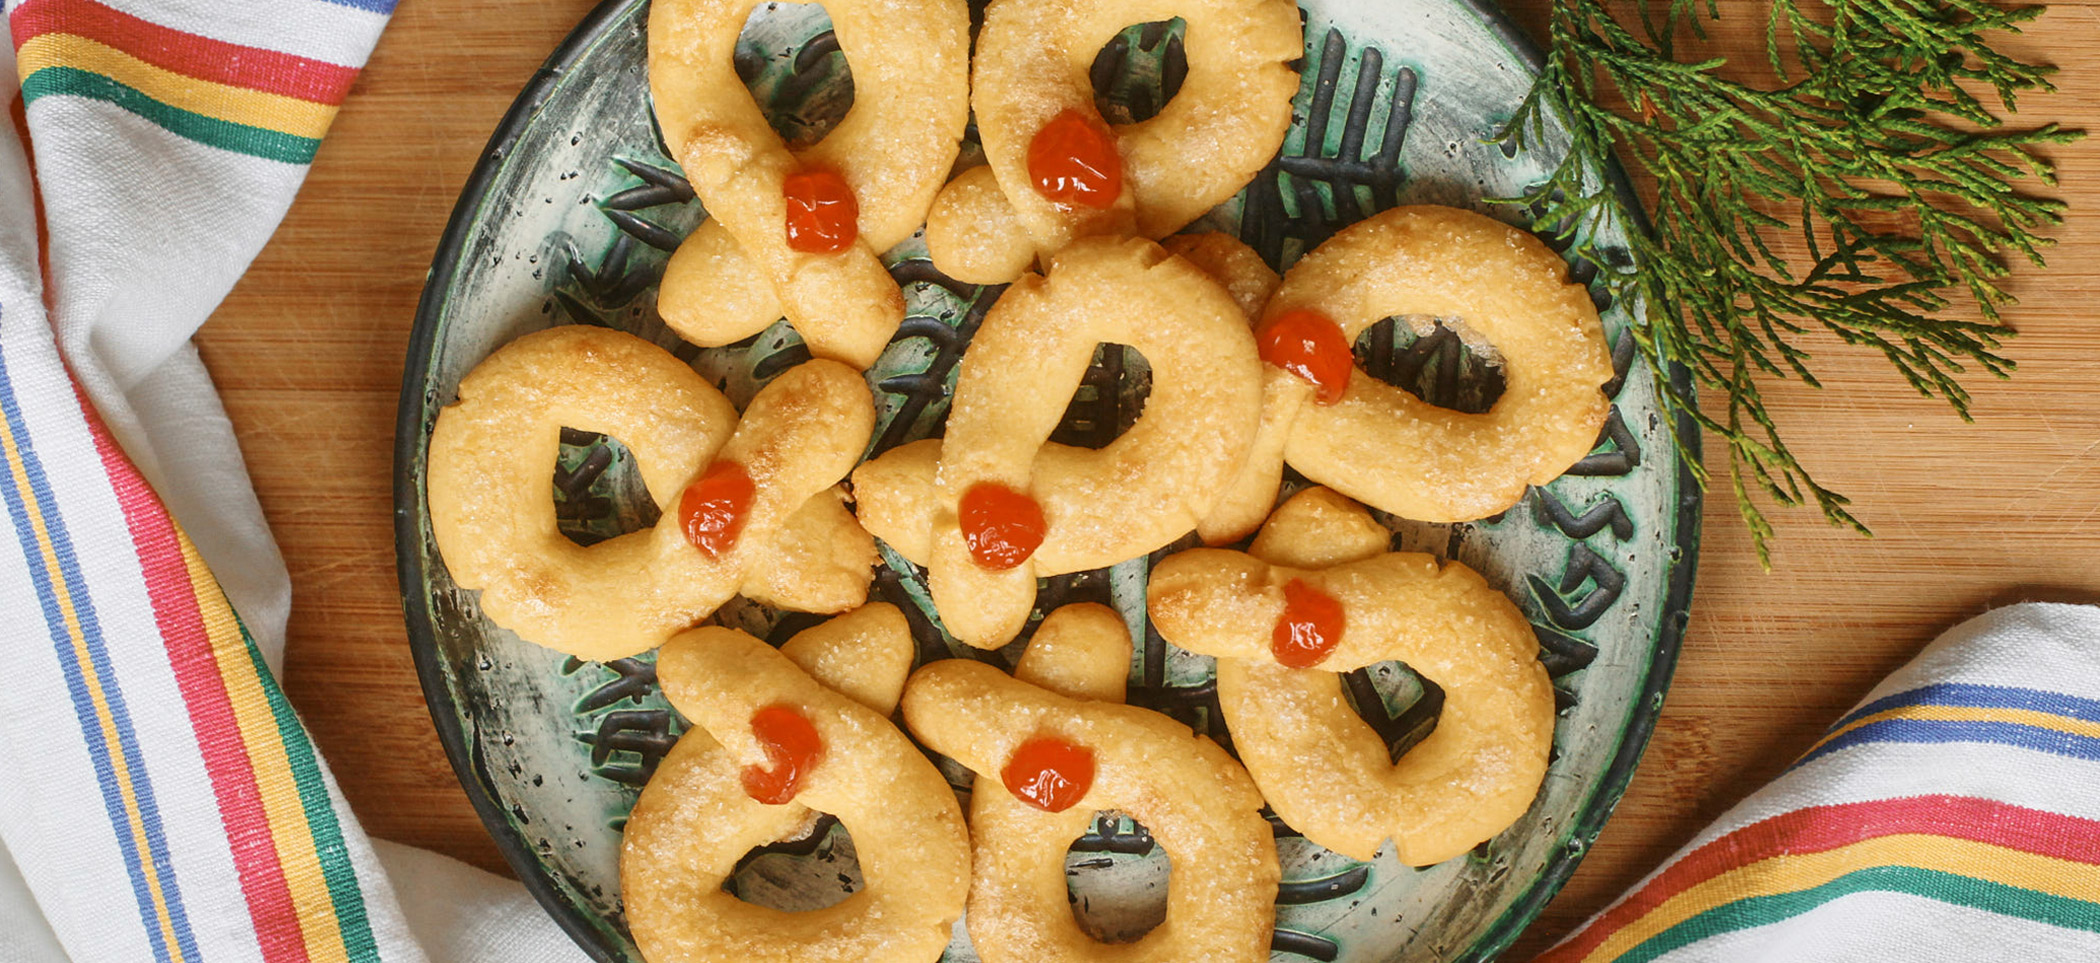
[308, 352]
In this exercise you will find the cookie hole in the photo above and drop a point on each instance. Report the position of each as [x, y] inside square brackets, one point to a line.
[790, 59]
[1139, 70]
[1109, 400]
[598, 492]
[812, 869]
[1116, 878]
[1441, 362]
[1399, 705]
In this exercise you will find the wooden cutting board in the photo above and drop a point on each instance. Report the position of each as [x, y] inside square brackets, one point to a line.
[308, 353]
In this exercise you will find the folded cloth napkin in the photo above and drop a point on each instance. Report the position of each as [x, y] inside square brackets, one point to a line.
[1954, 815]
[159, 800]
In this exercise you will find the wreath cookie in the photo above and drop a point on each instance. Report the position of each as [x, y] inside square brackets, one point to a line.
[1320, 596]
[778, 737]
[749, 504]
[1054, 744]
[799, 233]
[1056, 171]
[1390, 449]
[995, 504]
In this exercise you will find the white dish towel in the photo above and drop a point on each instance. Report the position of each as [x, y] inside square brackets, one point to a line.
[158, 799]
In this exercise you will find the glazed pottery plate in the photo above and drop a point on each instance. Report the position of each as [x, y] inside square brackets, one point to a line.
[569, 220]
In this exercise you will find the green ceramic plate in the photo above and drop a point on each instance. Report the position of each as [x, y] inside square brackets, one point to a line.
[569, 219]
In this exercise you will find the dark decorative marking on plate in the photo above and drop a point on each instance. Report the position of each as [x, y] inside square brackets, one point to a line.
[1436, 367]
[806, 844]
[1107, 835]
[788, 356]
[1305, 944]
[644, 732]
[1562, 653]
[1403, 730]
[933, 645]
[927, 387]
[1622, 355]
[1584, 565]
[612, 284]
[1581, 269]
[632, 679]
[1606, 512]
[1106, 403]
[1312, 179]
[1620, 459]
[1121, 101]
[650, 233]
[661, 177]
[1296, 892]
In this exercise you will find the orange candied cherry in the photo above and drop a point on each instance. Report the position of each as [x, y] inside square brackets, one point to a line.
[713, 508]
[1310, 345]
[1073, 160]
[1049, 773]
[1000, 526]
[822, 215]
[793, 748]
[1310, 628]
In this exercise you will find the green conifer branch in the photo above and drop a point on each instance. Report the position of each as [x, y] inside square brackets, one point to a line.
[1880, 145]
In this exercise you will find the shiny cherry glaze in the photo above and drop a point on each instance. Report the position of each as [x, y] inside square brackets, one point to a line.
[793, 749]
[1001, 527]
[1073, 160]
[822, 215]
[713, 508]
[1049, 773]
[1310, 628]
[1310, 345]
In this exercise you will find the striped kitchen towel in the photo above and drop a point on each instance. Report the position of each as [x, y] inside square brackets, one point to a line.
[159, 799]
[1953, 816]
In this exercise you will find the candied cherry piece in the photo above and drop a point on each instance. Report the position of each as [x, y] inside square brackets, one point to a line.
[792, 749]
[1310, 628]
[1310, 345]
[713, 508]
[1000, 526]
[1073, 160]
[822, 215]
[1049, 773]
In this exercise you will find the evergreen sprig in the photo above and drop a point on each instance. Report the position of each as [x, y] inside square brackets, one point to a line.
[1877, 141]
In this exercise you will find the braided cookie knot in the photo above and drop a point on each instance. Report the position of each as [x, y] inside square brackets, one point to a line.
[1383, 445]
[762, 514]
[1057, 171]
[1053, 745]
[996, 504]
[799, 233]
[1321, 595]
[778, 737]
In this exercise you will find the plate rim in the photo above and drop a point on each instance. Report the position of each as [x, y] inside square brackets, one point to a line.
[410, 440]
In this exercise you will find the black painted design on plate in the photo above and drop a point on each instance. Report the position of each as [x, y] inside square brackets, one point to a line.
[1301, 198]
[1605, 512]
[646, 733]
[1621, 458]
[1584, 565]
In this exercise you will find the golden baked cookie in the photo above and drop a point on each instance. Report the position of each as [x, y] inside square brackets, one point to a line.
[1053, 745]
[1322, 595]
[1033, 98]
[741, 270]
[1390, 449]
[1251, 494]
[492, 455]
[699, 814]
[941, 503]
